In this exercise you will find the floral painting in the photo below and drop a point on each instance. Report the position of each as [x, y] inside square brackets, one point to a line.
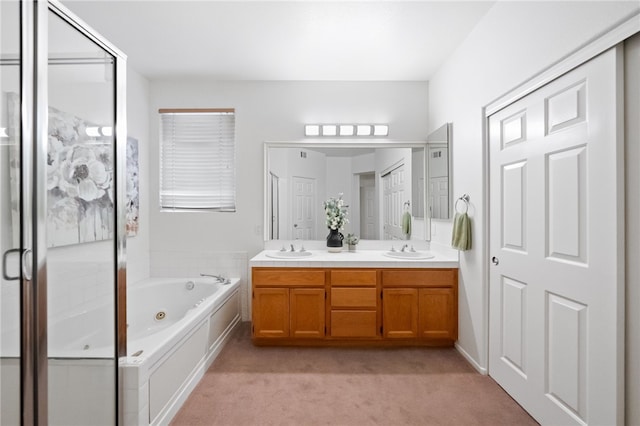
[79, 182]
[133, 199]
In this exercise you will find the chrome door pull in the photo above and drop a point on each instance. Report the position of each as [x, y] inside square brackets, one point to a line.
[5, 258]
[27, 261]
[495, 260]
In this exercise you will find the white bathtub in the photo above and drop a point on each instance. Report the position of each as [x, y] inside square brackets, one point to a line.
[167, 357]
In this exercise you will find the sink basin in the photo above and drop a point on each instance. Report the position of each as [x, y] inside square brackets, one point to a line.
[289, 254]
[409, 254]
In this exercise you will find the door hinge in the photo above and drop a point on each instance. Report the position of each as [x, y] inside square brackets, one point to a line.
[380, 294]
[380, 329]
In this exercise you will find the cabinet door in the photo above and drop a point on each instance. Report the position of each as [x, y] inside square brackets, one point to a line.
[438, 319]
[307, 312]
[400, 313]
[271, 312]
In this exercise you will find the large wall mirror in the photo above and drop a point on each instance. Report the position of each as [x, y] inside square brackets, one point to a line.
[439, 167]
[379, 181]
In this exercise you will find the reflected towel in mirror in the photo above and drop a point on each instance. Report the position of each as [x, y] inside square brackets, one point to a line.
[406, 223]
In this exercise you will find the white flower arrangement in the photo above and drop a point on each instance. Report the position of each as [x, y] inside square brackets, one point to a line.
[336, 212]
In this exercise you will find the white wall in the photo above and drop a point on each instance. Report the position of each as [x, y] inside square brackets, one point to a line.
[138, 128]
[268, 111]
[513, 42]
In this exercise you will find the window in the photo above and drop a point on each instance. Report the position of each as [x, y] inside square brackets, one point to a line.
[197, 159]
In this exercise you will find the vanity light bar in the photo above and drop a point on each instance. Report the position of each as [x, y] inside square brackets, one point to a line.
[332, 130]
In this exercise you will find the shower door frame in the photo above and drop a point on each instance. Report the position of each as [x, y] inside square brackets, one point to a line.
[33, 209]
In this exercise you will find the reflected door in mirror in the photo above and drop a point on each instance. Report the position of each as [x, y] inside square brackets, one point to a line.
[393, 184]
[304, 195]
[438, 182]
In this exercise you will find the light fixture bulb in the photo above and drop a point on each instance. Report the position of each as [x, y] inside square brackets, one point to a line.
[346, 130]
[363, 130]
[311, 130]
[93, 131]
[380, 130]
[106, 131]
[329, 130]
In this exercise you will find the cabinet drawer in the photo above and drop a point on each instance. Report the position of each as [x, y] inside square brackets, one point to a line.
[420, 278]
[288, 278]
[347, 297]
[353, 324]
[353, 278]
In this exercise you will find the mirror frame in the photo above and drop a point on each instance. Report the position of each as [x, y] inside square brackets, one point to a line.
[442, 135]
[334, 143]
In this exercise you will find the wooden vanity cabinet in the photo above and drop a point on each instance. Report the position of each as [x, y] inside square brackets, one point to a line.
[420, 304]
[382, 306]
[288, 304]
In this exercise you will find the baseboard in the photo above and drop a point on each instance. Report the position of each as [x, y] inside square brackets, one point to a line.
[471, 360]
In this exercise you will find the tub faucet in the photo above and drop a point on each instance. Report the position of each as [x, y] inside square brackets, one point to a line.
[219, 278]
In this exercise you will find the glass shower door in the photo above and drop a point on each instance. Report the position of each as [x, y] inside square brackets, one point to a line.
[10, 223]
[81, 228]
[62, 269]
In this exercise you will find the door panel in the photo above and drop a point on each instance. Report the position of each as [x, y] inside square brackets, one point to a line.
[10, 219]
[436, 317]
[556, 308]
[271, 312]
[81, 227]
[393, 196]
[400, 313]
[307, 312]
[304, 219]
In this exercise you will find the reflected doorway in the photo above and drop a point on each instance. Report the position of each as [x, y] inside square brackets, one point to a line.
[368, 209]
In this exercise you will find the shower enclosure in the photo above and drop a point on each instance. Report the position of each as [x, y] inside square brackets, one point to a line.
[62, 142]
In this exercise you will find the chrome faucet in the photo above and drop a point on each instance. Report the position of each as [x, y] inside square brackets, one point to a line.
[404, 247]
[219, 278]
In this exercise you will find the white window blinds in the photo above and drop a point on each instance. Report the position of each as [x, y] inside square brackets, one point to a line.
[197, 160]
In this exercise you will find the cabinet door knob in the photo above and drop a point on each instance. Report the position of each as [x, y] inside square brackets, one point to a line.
[495, 260]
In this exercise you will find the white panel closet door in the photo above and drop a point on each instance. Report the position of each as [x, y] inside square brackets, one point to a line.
[556, 283]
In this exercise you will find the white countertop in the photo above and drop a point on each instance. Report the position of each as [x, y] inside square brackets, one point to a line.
[322, 258]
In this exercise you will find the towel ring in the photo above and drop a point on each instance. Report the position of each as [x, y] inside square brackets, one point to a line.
[465, 200]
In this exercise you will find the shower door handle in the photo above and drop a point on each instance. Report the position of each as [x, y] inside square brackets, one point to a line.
[5, 261]
[25, 261]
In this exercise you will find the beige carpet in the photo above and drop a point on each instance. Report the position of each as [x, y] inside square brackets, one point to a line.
[250, 385]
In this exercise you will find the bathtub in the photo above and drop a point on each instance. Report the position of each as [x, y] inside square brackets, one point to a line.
[176, 328]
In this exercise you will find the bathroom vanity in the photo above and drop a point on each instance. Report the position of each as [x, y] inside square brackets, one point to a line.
[359, 298]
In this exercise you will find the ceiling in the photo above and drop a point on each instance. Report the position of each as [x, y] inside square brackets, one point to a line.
[284, 40]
